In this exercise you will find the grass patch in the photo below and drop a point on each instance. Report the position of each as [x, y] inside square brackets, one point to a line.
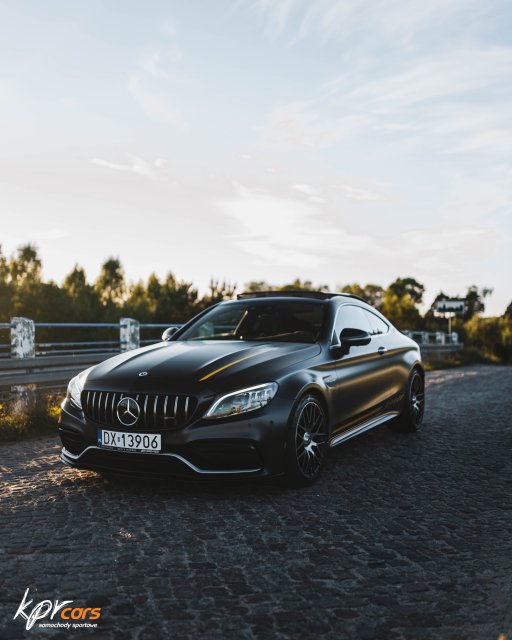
[40, 419]
[462, 358]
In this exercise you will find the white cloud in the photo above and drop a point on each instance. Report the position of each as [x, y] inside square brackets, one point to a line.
[447, 252]
[307, 189]
[471, 199]
[352, 192]
[7, 90]
[455, 101]
[159, 73]
[454, 73]
[161, 62]
[286, 231]
[36, 236]
[348, 191]
[308, 125]
[170, 27]
[51, 234]
[149, 62]
[313, 194]
[394, 21]
[138, 165]
[153, 102]
[277, 13]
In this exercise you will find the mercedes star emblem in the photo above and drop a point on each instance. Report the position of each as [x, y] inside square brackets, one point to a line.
[128, 411]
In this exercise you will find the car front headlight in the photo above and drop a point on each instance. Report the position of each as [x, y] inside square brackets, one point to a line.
[242, 401]
[75, 387]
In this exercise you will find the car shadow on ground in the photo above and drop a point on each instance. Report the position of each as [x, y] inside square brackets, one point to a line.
[353, 456]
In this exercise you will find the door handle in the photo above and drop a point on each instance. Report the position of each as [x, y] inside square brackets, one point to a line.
[381, 351]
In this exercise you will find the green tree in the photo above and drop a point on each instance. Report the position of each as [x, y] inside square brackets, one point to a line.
[42, 302]
[295, 285]
[153, 293]
[6, 289]
[31, 297]
[76, 281]
[373, 293]
[4, 267]
[475, 298]
[110, 284]
[257, 285]
[302, 285]
[178, 301]
[492, 336]
[408, 286]
[85, 303]
[399, 303]
[137, 304]
[401, 311]
[25, 265]
[218, 291]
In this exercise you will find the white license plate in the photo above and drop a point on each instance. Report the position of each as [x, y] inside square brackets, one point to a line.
[127, 441]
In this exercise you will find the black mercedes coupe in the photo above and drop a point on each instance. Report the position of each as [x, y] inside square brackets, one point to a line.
[260, 386]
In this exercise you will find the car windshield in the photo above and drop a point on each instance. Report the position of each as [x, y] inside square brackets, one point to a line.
[277, 320]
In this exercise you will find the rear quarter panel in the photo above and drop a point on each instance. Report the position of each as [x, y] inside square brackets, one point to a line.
[402, 355]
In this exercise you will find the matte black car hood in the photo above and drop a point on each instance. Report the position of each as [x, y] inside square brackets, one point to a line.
[197, 366]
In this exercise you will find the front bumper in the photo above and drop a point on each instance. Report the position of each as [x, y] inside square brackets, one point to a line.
[249, 446]
[156, 465]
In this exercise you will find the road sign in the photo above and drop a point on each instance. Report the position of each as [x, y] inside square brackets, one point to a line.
[450, 306]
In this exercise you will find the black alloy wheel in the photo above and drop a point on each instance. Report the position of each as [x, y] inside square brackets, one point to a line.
[411, 416]
[306, 444]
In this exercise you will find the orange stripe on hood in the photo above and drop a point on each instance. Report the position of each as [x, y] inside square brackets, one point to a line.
[230, 364]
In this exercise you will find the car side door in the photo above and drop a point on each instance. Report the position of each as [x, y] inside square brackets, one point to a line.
[360, 371]
[396, 372]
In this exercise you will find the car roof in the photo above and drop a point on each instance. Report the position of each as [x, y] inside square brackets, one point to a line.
[298, 293]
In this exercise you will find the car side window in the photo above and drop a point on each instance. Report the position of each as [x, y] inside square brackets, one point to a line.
[378, 326]
[350, 317]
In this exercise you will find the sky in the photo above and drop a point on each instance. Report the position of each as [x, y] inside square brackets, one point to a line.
[336, 141]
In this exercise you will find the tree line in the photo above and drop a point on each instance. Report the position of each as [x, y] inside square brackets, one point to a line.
[24, 292]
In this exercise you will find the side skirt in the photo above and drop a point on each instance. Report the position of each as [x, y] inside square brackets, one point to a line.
[365, 426]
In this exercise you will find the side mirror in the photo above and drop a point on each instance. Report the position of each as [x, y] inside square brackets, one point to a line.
[168, 333]
[354, 338]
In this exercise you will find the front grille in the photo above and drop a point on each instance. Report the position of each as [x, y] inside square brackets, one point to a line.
[157, 411]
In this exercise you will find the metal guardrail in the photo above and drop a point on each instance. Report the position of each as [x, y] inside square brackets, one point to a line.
[28, 361]
[46, 369]
[436, 345]
[97, 345]
[433, 337]
[70, 346]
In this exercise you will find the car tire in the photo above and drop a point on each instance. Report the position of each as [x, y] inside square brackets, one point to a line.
[306, 442]
[413, 407]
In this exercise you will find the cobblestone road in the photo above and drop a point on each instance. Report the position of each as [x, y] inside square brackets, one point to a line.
[404, 536]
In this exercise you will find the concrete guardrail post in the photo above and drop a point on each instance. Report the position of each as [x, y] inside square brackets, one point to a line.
[23, 338]
[23, 345]
[129, 334]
